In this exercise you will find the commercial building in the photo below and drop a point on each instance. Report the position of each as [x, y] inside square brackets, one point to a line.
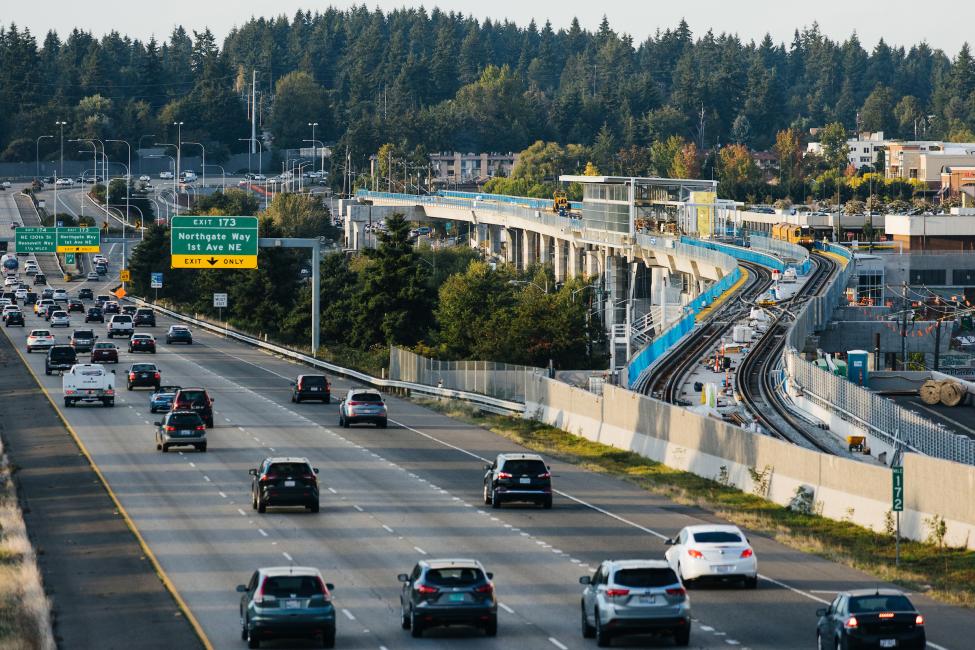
[862, 151]
[924, 161]
[958, 181]
[470, 167]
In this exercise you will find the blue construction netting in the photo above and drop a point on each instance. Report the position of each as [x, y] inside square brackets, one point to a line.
[648, 355]
[526, 201]
[739, 253]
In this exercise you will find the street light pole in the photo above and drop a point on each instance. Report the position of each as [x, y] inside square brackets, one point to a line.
[175, 202]
[313, 150]
[223, 175]
[60, 124]
[200, 145]
[179, 144]
[128, 181]
[37, 154]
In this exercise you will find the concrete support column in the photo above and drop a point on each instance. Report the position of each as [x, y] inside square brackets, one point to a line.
[545, 241]
[559, 261]
[530, 244]
[495, 238]
[575, 260]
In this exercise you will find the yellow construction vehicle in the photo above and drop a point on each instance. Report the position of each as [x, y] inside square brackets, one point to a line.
[560, 203]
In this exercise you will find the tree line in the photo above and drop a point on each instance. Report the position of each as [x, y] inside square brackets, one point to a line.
[445, 81]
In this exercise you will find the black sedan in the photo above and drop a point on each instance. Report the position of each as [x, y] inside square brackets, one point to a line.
[14, 318]
[871, 618]
[141, 375]
[179, 334]
[142, 343]
[85, 294]
[94, 315]
[75, 305]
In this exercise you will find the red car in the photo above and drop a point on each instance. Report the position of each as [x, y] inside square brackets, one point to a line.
[142, 343]
[104, 352]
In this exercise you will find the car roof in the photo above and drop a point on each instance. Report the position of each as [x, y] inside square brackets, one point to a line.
[520, 457]
[445, 563]
[638, 564]
[183, 412]
[142, 335]
[286, 459]
[275, 571]
[713, 528]
[874, 592]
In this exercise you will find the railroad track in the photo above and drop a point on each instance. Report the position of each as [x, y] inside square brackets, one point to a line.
[754, 377]
[667, 378]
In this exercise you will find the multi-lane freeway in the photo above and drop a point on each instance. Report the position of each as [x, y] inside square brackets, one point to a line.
[393, 496]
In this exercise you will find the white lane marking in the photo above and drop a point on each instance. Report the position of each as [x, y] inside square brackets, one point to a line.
[731, 642]
[242, 513]
[241, 428]
[288, 557]
[707, 628]
[558, 644]
[419, 550]
[222, 495]
[227, 419]
[206, 478]
[332, 490]
[359, 508]
[936, 646]
[506, 608]
[192, 464]
[387, 528]
[794, 590]
[348, 614]
[271, 448]
[262, 532]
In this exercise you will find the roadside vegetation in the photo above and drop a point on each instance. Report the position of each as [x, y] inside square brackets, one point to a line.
[25, 611]
[946, 574]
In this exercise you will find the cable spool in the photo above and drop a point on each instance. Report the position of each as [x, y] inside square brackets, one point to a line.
[930, 392]
[952, 393]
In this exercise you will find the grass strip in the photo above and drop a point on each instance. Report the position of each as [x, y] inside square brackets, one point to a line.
[943, 573]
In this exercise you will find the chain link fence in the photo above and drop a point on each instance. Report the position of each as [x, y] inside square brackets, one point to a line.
[886, 419]
[501, 380]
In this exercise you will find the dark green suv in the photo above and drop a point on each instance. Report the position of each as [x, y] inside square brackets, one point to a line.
[287, 603]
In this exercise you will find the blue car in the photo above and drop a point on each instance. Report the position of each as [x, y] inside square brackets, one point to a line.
[162, 399]
[287, 603]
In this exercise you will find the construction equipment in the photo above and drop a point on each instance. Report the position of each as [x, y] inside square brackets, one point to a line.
[560, 203]
[945, 391]
[857, 443]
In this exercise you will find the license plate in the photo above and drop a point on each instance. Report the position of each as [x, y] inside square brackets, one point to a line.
[649, 599]
[143, 375]
[456, 598]
[888, 643]
[289, 484]
[721, 568]
[291, 604]
[185, 432]
[90, 392]
[315, 389]
[525, 481]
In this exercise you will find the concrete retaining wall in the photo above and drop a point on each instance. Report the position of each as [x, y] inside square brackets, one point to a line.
[843, 488]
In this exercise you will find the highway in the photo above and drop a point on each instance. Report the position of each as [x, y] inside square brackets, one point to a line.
[398, 494]
[390, 497]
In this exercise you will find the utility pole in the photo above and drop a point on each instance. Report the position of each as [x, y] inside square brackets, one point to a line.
[904, 330]
[254, 113]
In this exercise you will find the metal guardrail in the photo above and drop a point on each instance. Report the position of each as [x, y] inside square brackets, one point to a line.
[506, 381]
[57, 260]
[482, 401]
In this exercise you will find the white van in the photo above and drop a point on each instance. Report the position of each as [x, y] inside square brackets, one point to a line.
[88, 382]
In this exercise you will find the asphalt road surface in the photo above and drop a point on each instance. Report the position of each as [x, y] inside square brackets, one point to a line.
[390, 497]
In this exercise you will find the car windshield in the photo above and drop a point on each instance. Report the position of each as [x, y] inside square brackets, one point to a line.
[717, 537]
[144, 312]
[91, 372]
[143, 367]
[880, 603]
[84, 334]
[184, 420]
[170, 390]
[454, 576]
[289, 469]
[105, 346]
[40, 333]
[62, 351]
[178, 330]
[366, 397]
[143, 337]
[299, 586]
[313, 380]
[121, 319]
[647, 577]
[517, 467]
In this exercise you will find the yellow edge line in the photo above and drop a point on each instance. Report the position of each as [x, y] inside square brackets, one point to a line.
[723, 297]
[839, 258]
[160, 572]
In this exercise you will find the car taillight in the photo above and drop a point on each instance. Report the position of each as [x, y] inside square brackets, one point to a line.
[309, 477]
[617, 592]
[356, 403]
[170, 428]
[325, 591]
[852, 622]
[746, 553]
[679, 592]
[201, 428]
[484, 589]
[109, 391]
[885, 615]
[504, 475]
[68, 391]
[269, 477]
[545, 475]
[157, 375]
[259, 594]
[131, 375]
[918, 620]
[426, 589]
[695, 553]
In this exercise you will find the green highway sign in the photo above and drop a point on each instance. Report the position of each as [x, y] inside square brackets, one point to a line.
[78, 240]
[897, 499]
[213, 242]
[36, 240]
[58, 240]
[69, 258]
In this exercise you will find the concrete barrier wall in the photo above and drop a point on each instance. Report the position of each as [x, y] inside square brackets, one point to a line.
[842, 488]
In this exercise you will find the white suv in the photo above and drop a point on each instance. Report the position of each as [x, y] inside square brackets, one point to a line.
[120, 325]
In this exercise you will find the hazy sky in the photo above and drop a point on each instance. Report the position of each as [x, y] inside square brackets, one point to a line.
[900, 22]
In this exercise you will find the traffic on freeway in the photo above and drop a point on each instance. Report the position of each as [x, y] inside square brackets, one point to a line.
[291, 529]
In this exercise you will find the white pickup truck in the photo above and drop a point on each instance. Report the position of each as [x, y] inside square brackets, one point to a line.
[120, 325]
[88, 382]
